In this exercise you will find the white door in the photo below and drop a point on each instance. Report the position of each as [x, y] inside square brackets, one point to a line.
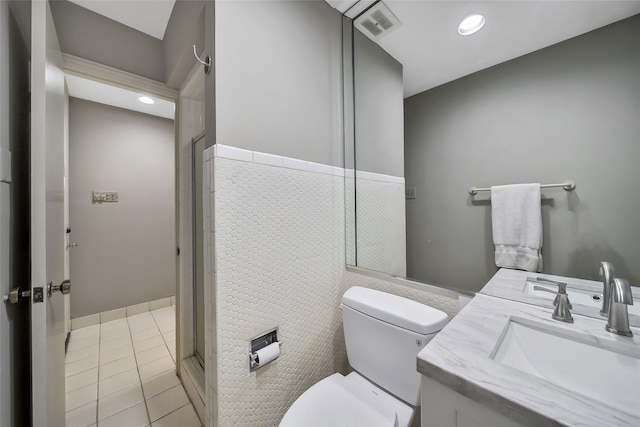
[47, 219]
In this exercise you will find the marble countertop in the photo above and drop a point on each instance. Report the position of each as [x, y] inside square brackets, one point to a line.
[460, 358]
[510, 284]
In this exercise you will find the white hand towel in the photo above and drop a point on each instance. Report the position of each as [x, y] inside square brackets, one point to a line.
[517, 226]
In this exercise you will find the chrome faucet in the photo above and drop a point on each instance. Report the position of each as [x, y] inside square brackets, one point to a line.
[621, 297]
[561, 302]
[607, 273]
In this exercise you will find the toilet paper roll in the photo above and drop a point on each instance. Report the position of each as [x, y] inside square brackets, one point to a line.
[268, 353]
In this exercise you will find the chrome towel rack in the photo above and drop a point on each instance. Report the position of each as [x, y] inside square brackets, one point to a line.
[567, 185]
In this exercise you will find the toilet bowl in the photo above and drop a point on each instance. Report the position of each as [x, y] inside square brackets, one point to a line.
[349, 401]
[383, 335]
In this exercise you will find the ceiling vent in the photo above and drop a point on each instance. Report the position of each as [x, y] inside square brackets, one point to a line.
[377, 22]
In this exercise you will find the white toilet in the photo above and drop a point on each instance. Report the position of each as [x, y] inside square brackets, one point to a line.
[383, 333]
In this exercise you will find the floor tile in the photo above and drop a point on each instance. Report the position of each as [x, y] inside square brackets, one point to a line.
[81, 396]
[128, 350]
[145, 333]
[115, 343]
[115, 367]
[141, 321]
[82, 416]
[116, 353]
[119, 401]
[81, 365]
[81, 353]
[83, 379]
[164, 311]
[167, 327]
[90, 331]
[166, 402]
[154, 353]
[183, 417]
[114, 324]
[169, 336]
[136, 416]
[156, 367]
[115, 333]
[118, 382]
[160, 383]
[78, 343]
[147, 343]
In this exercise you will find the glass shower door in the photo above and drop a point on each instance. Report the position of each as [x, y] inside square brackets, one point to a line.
[198, 250]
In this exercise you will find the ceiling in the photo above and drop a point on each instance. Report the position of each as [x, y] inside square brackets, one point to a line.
[117, 97]
[432, 52]
[148, 16]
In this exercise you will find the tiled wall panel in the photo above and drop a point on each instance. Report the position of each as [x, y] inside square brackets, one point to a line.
[276, 256]
[279, 252]
[380, 223]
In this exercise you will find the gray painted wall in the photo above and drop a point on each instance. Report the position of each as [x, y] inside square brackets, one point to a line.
[279, 78]
[127, 250]
[185, 28]
[379, 118]
[88, 35]
[569, 111]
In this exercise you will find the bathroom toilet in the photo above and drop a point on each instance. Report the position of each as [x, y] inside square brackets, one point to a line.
[383, 334]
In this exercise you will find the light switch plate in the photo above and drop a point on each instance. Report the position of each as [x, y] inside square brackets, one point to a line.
[104, 196]
[410, 193]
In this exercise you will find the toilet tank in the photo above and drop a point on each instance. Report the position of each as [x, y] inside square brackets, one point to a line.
[384, 333]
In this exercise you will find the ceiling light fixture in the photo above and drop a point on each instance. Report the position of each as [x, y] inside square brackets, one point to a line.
[471, 24]
[146, 100]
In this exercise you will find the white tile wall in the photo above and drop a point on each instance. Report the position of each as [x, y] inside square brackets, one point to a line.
[381, 223]
[279, 257]
[275, 236]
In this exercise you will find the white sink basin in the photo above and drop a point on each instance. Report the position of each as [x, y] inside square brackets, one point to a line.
[574, 361]
[576, 296]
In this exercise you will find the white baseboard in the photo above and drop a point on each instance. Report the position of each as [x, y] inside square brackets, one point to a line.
[119, 313]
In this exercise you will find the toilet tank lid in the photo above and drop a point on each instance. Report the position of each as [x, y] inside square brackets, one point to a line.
[398, 311]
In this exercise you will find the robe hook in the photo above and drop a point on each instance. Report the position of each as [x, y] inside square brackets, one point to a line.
[206, 62]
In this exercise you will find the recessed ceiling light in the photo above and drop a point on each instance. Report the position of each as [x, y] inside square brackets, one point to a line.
[470, 25]
[146, 100]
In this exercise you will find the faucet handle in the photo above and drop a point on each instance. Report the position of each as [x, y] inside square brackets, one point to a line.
[563, 306]
[561, 302]
[562, 290]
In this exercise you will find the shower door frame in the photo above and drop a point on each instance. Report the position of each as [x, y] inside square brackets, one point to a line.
[194, 265]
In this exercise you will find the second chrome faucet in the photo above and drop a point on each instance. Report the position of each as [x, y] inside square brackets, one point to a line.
[616, 296]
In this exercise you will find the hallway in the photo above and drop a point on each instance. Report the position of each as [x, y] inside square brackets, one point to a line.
[122, 373]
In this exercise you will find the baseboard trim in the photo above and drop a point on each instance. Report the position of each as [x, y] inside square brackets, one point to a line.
[120, 313]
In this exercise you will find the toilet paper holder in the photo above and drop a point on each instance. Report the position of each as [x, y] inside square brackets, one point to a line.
[261, 342]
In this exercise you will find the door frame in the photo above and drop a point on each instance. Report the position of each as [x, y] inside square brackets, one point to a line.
[86, 69]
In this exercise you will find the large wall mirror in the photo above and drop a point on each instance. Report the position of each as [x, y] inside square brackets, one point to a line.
[546, 91]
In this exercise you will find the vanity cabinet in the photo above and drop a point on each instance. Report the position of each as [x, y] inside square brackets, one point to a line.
[444, 407]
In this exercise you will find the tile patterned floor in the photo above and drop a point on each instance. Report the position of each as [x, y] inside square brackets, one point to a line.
[122, 373]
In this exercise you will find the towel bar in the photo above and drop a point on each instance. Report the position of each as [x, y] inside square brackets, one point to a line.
[567, 185]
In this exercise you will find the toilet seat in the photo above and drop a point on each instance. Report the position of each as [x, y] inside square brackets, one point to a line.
[349, 401]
